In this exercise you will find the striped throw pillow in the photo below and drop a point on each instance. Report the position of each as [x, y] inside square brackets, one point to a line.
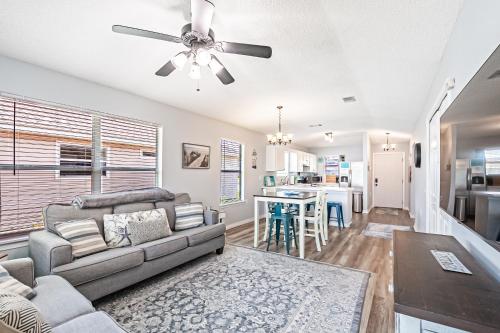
[83, 235]
[17, 314]
[8, 283]
[188, 215]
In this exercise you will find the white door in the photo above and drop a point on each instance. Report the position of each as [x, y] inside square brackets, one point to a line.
[388, 179]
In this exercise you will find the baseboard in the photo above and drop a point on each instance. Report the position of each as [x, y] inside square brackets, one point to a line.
[242, 222]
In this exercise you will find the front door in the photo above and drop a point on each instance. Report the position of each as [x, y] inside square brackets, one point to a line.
[388, 179]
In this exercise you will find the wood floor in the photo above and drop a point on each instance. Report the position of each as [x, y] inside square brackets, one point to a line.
[351, 249]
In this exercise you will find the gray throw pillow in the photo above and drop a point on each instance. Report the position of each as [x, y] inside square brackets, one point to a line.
[153, 228]
[8, 283]
[17, 314]
[188, 215]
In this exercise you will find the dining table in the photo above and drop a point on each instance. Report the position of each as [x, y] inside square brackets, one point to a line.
[300, 198]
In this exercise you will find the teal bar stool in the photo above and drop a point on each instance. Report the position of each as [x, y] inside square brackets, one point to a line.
[277, 218]
[338, 211]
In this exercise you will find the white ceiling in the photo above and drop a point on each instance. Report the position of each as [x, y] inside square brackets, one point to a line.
[384, 52]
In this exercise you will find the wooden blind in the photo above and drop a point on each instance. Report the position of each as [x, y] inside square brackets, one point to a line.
[231, 172]
[47, 156]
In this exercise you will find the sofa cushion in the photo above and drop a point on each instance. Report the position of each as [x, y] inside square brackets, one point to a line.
[99, 265]
[58, 301]
[188, 215]
[169, 206]
[148, 226]
[202, 234]
[122, 197]
[54, 213]
[83, 235]
[133, 207]
[96, 322]
[9, 283]
[164, 246]
[19, 315]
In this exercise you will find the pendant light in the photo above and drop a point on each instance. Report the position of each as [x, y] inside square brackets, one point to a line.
[279, 138]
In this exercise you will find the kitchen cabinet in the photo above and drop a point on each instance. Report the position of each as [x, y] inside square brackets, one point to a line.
[313, 163]
[294, 162]
[275, 158]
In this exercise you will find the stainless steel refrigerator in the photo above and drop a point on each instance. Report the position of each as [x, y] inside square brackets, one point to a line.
[470, 178]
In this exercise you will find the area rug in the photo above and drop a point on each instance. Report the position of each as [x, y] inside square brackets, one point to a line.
[387, 211]
[244, 290]
[382, 230]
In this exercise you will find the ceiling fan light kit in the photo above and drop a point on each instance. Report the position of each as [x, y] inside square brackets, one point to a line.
[200, 40]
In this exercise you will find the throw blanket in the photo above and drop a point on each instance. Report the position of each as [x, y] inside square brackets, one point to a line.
[125, 197]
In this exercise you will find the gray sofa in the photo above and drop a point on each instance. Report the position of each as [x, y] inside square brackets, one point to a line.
[105, 272]
[61, 305]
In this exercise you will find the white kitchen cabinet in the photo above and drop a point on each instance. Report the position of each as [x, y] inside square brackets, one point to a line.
[294, 162]
[313, 163]
[275, 158]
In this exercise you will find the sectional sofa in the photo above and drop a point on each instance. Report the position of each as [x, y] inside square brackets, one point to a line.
[105, 272]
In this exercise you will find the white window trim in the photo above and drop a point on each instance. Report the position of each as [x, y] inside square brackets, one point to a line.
[242, 175]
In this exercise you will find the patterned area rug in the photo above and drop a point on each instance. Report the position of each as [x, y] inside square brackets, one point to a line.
[244, 290]
[388, 211]
[382, 230]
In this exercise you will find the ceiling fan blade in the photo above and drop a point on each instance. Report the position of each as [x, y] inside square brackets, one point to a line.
[145, 33]
[220, 71]
[202, 12]
[166, 69]
[247, 49]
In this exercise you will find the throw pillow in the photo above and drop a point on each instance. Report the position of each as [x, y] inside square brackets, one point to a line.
[8, 283]
[188, 215]
[152, 226]
[17, 314]
[117, 229]
[83, 235]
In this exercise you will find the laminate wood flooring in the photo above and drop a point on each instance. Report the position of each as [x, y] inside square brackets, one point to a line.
[351, 249]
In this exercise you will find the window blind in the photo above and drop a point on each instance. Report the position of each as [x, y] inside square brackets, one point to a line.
[231, 177]
[47, 155]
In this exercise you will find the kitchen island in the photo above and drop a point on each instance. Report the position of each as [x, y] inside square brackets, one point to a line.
[334, 193]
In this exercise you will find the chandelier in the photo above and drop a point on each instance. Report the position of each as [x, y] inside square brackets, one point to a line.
[329, 137]
[388, 146]
[279, 138]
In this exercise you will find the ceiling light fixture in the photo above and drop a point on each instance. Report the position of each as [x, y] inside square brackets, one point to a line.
[203, 57]
[215, 65]
[180, 60]
[195, 73]
[329, 137]
[279, 138]
[349, 99]
[388, 146]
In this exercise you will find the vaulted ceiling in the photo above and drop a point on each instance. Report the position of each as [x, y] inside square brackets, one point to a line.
[385, 53]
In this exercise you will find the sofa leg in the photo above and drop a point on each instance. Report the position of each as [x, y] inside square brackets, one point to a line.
[220, 250]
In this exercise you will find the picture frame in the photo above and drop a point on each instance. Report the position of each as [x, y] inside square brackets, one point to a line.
[195, 156]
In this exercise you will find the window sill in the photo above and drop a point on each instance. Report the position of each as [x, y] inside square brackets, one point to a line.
[233, 203]
[13, 241]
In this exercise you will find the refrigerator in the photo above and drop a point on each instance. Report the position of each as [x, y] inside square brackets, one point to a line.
[470, 178]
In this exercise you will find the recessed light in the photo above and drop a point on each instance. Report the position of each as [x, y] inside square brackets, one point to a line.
[494, 75]
[349, 99]
[315, 125]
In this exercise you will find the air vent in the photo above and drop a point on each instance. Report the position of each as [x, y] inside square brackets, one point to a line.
[315, 125]
[349, 99]
[495, 75]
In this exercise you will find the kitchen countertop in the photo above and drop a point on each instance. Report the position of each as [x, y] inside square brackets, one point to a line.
[318, 187]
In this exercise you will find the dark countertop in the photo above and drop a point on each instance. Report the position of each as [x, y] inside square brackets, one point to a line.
[422, 289]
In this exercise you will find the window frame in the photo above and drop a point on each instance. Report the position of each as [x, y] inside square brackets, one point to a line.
[241, 172]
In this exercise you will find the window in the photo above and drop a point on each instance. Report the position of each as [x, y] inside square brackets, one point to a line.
[231, 176]
[47, 155]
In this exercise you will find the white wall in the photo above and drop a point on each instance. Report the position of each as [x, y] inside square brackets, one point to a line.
[403, 148]
[475, 36]
[178, 126]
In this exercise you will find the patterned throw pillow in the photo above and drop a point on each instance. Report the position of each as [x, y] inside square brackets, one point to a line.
[17, 314]
[8, 283]
[188, 215]
[117, 231]
[83, 235]
[154, 226]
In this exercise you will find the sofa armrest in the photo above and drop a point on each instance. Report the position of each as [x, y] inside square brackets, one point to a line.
[48, 251]
[21, 269]
[211, 217]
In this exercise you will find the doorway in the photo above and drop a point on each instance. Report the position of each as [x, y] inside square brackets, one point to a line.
[388, 177]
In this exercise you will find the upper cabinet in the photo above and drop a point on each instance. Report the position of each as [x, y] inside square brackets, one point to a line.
[275, 158]
[296, 161]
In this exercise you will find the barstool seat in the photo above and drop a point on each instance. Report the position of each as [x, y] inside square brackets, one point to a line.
[338, 211]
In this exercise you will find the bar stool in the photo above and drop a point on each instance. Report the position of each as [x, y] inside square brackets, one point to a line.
[278, 217]
[338, 211]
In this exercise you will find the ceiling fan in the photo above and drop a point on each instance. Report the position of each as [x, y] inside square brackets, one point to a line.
[200, 39]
